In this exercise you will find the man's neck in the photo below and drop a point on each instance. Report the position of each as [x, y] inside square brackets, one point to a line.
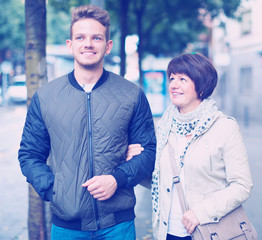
[87, 76]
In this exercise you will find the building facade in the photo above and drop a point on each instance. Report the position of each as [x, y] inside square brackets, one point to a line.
[237, 54]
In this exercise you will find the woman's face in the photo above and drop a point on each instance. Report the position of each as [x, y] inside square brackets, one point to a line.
[182, 92]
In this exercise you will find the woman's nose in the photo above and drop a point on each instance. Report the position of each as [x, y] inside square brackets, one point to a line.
[174, 84]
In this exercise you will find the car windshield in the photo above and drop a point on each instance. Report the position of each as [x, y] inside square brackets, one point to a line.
[18, 84]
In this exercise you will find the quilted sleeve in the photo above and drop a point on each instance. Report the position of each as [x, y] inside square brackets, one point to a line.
[141, 130]
[34, 151]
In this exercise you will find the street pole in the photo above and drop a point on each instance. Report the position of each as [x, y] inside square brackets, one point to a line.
[6, 67]
[4, 87]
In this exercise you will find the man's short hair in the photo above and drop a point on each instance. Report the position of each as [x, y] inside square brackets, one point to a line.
[199, 69]
[93, 12]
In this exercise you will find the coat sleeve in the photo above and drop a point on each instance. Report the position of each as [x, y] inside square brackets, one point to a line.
[141, 130]
[34, 151]
[238, 178]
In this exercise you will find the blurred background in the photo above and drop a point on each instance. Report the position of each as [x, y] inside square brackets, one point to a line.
[147, 35]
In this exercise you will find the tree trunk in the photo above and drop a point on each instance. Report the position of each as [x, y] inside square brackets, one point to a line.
[35, 54]
[140, 7]
[140, 49]
[124, 4]
[35, 14]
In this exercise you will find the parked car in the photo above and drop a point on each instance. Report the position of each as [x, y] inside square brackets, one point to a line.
[17, 91]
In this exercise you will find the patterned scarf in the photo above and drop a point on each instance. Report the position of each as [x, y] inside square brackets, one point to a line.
[194, 123]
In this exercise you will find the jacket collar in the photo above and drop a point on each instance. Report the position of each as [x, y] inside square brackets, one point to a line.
[101, 80]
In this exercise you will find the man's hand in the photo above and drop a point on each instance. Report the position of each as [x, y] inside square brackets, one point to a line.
[101, 187]
[190, 221]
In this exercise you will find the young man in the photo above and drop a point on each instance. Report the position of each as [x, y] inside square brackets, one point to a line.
[84, 122]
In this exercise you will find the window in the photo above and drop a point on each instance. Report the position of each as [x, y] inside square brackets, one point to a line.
[246, 80]
[246, 22]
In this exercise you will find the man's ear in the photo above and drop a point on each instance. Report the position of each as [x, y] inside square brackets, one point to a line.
[69, 45]
[109, 46]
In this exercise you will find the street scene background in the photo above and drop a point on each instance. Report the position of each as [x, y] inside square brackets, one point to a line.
[229, 33]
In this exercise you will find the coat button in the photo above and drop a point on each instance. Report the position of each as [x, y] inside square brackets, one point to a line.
[215, 219]
[165, 223]
[168, 190]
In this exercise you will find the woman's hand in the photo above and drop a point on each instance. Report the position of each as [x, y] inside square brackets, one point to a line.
[190, 221]
[133, 150]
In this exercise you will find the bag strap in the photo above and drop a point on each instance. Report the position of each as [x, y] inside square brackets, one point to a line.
[176, 179]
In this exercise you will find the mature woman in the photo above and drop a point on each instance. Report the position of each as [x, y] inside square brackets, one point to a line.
[208, 150]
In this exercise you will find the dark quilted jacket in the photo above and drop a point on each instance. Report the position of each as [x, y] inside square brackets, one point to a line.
[87, 134]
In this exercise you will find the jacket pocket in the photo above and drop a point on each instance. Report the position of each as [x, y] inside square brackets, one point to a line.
[57, 204]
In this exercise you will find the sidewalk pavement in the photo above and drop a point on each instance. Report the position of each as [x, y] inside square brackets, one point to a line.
[252, 136]
[13, 187]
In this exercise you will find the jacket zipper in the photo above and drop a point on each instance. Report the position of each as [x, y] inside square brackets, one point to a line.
[90, 154]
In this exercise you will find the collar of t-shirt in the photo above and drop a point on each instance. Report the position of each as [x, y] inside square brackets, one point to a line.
[100, 82]
[88, 86]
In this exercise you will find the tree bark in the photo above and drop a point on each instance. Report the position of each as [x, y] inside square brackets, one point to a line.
[35, 49]
[139, 10]
[124, 4]
[140, 48]
[36, 76]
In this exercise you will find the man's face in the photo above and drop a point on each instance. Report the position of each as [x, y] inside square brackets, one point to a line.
[88, 44]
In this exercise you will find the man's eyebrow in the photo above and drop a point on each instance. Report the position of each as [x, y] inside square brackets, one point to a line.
[78, 34]
[99, 34]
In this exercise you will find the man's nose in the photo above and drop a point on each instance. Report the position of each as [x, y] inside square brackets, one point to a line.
[88, 42]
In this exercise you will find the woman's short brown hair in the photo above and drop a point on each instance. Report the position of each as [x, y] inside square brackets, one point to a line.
[94, 12]
[199, 69]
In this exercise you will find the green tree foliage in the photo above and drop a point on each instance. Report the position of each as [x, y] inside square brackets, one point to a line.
[59, 18]
[65, 5]
[12, 26]
[165, 27]
[58, 24]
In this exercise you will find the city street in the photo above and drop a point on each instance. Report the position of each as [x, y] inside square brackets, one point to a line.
[13, 187]
[14, 193]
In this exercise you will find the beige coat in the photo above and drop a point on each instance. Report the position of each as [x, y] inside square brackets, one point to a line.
[217, 175]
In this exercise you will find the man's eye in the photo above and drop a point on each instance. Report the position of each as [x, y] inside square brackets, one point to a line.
[79, 38]
[98, 38]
